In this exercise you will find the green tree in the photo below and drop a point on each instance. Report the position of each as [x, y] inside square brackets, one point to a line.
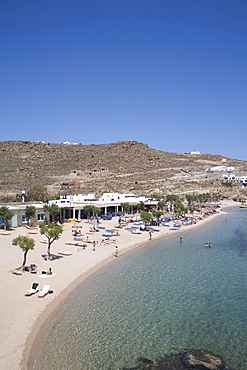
[179, 208]
[53, 210]
[30, 213]
[52, 233]
[206, 197]
[26, 244]
[191, 209]
[157, 214]
[125, 206]
[91, 209]
[156, 196]
[37, 193]
[161, 204]
[7, 214]
[172, 198]
[146, 217]
[191, 199]
[141, 206]
[7, 199]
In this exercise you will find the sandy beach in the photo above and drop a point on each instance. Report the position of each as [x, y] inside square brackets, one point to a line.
[22, 316]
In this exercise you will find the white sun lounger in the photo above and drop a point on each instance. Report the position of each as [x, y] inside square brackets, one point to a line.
[65, 253]
[34, 289]
[44, 291]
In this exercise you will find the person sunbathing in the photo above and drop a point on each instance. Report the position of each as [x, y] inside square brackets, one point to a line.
[33, 268]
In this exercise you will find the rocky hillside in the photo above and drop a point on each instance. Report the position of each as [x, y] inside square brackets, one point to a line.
[122, 166]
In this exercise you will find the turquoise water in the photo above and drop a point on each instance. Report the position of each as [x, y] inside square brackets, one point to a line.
[160, 298]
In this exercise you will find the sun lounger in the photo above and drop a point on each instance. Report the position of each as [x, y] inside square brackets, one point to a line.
[45, 290]
[135, 232]
[65, 253]
[16, 272]
[33, 290]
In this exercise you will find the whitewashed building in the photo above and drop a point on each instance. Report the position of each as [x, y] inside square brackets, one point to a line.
[72, 205]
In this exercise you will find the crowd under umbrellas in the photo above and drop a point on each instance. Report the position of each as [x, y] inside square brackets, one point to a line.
[83, 235]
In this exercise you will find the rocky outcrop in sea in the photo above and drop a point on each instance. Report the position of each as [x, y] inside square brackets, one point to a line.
[188, 359]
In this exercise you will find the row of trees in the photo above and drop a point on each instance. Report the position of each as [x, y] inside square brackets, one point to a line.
[53, 210]
[51, 231]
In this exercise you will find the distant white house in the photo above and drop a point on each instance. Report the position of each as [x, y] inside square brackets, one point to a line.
[68, 143]
[222, 168]
[194, 152]
[243, 179]
[233, 178]
[230, 177]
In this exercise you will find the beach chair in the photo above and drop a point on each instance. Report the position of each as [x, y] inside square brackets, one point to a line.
[16, 272]
[64, 253]
[33, 290]
[45, 290]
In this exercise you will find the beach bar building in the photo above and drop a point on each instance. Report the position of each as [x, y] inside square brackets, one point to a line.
[72, 206]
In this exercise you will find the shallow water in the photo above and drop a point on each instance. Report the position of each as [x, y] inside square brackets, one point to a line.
[159, 298]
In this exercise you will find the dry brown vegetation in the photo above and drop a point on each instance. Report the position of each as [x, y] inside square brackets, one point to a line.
[132, 166]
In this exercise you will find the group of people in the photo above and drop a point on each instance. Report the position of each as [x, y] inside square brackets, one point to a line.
[208, 245]
[77, 233]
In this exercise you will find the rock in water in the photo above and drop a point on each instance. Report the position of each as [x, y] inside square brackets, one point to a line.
[188, 359]
[200, 359]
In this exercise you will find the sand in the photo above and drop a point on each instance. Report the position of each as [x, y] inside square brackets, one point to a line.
[22, 316]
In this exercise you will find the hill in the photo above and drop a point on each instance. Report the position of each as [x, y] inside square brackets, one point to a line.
[118, 167]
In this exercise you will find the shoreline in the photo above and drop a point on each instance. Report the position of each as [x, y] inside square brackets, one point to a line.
[19, 354]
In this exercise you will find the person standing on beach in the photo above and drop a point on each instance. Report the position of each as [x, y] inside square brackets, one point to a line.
[150, 235]
[116, 251]
[93, 246]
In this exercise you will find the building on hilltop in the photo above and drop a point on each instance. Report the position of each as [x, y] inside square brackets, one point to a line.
[194, 152]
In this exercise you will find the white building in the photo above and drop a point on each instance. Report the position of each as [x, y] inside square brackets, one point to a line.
[72, 205]
[194, 152]
[222, 169]
[243, 179]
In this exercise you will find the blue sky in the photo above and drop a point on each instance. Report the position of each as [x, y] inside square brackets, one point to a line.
[168, 73]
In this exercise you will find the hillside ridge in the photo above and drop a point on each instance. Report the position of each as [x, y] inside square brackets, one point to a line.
[121, 166]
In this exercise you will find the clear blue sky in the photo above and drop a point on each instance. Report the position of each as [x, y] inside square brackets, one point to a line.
[168, 73]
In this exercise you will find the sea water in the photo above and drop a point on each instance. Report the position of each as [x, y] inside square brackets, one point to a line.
[159, 298]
